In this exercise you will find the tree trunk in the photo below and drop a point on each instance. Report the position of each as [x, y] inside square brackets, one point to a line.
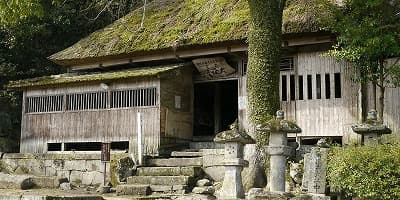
[262, 81]
[381, 103]
[374, 95]
[381, 89]
[364, 101]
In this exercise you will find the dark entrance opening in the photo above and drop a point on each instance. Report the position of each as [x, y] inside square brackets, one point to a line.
[215, 106]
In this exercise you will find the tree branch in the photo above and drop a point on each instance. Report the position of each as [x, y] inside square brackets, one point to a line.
[144, 14]
[105, 7]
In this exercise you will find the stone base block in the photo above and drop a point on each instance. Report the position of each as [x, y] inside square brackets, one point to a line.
[8, 181]
[175, 162]
[160, 180]
[161, 188]
[186, 153]
[133, 190]
[319, 197]
[260, 194]
[48, 181]
[169, 171]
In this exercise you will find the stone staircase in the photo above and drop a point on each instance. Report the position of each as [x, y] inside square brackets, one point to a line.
[175, 175]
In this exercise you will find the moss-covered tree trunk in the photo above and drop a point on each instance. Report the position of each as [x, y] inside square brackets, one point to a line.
[262, 80]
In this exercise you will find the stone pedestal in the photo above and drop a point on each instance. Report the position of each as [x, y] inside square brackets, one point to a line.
[278, 166]
[278, 149]
[371, 130]
[234, 140]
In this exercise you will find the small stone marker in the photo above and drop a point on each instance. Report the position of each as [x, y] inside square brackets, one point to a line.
[234, 140]
[317, 170]
[371, 130]
[306, 173]
[278, 149]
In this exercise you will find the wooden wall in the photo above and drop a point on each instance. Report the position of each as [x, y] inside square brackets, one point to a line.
[177, 108]
[316, 117]
[101, 125]
[391, 114]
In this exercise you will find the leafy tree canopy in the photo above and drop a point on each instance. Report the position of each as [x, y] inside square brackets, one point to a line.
[369, 38]
[368, 33]
[31, 30]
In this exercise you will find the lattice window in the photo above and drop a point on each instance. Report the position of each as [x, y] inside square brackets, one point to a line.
[133, 98]
[44, 104]
[87, 101]
[286, 64]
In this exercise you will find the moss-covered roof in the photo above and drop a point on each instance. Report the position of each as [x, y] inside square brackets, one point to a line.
[177, 23]
[76, 77]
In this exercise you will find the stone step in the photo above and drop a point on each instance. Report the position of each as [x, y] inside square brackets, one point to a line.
[169, 171]
[160, 180]
[186, 154]
[206, 145]
[175, 162]
[169, 188]
[50, 182]
[133, 189]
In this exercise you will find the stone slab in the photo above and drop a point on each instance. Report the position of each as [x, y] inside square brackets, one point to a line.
[213, 151]
[216, 173]
[186, 154]
[133, 190]
[179, 187]
[206, 145]
[192, 196]
[213, 160]
[160, 180]
[48, 181]
[169, 171]
[161, 188]
[260, 194]
[175, 162]
[8, 181]
[47, 197]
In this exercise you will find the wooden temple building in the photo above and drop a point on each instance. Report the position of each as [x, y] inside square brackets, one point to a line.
[182, 74]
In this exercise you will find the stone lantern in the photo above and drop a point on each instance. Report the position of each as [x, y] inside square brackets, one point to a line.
[371, 130]
[234, 141]
[278, 149]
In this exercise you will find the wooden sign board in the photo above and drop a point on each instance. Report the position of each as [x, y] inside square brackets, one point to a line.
[105, 152]
[212, 68]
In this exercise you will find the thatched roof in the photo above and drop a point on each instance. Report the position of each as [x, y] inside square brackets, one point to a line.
[92, 77]
[178, 23]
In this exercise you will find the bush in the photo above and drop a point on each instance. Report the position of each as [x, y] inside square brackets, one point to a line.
[367, 172]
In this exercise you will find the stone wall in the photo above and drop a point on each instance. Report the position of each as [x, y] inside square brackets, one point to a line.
[86, 169]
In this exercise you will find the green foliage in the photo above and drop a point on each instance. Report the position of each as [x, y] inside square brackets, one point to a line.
[13, 11]
[367, 172]
[368, 34]
[30, 31]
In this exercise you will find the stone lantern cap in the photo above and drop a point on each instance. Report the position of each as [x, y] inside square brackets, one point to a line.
[371, 125]
[280, 125]
[233, 135]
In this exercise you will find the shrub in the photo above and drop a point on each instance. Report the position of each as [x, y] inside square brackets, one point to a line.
[367, 172]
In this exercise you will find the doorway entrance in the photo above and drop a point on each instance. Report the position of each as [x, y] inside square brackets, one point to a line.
[215, 107]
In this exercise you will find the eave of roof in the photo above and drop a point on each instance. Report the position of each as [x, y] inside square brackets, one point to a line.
[92, 77]
[172, 24]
